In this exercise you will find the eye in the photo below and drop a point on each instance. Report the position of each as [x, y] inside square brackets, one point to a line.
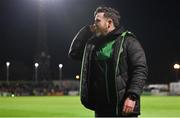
[97, 20]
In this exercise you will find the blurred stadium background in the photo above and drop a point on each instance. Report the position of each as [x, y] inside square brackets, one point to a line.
[61, 99]
[35, 37]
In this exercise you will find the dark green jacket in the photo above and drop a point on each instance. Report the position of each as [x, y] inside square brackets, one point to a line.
[129, 63]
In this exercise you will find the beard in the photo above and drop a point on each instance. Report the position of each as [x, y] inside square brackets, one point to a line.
[101, 32]
[98, 34]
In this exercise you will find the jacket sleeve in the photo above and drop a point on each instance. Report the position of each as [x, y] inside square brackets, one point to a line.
[138, 70]
[78, 44]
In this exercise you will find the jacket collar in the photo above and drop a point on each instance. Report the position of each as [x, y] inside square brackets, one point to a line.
[109, 37]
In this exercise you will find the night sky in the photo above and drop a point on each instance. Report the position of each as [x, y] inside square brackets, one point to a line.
[155, 23]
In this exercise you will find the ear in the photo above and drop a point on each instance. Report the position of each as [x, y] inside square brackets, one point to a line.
[109, 22]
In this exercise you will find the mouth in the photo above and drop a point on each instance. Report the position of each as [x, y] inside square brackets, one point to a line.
[98, 32]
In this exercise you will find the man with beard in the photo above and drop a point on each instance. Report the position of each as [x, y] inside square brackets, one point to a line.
[113, 70]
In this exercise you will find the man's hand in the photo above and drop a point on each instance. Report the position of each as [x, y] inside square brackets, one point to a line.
[129, 105]
[93, 28]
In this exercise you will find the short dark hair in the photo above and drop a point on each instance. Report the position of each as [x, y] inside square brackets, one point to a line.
[109, 13]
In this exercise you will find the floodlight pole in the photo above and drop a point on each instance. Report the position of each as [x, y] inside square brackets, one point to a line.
[7, 72]
[60, 74]
[177, 67]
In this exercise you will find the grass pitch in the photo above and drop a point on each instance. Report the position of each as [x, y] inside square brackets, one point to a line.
[70, 106]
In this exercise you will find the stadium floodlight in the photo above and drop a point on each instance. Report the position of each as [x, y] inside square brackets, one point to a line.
[176, 66]
[77, 77]
[7, 72]
[60, 65]
[44, 0]
[7, 64]
[47, 1]
[36, 65]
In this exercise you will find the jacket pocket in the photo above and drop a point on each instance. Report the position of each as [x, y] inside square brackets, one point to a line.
[121, 94]
[121, 84]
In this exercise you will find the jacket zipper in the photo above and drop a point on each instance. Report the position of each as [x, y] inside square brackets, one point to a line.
[120, 51]
[106, 80]
[117, 63]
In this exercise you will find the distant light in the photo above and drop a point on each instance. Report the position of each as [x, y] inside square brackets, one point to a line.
[60, 65]
[12, 95]
[49, 3]
[7, 64]
[77, 77]
[176, 66]
[43, 0]
[36, 65]
[47, 0]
